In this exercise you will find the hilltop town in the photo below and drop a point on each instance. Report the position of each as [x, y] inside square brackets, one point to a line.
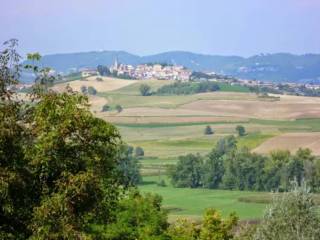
[144, 71]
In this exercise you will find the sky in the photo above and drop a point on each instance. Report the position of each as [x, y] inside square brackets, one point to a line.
[145, 27]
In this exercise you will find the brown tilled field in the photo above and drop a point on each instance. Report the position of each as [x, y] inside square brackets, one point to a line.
[292, 142]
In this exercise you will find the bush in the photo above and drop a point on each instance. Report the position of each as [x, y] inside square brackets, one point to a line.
[241, 130]
[99, 79]
[162, 183]
[119, 108]
[208, 130]
[292, 216]
[184, 88]
[145, 90]
[139, 152]
[92, 91]
[106, 108]
[84, 89]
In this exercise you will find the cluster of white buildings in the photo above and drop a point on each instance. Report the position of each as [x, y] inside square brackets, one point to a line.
[152, 71]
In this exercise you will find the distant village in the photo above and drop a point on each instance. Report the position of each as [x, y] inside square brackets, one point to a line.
[183, 74]
[145, 71]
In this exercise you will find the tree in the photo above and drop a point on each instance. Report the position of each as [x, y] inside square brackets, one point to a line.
[291, 216]
[187, 172]
[58, 166]
[119, 108]
[105, 108]
[215, 228]
[208, 130]
[92, 90]
[139, 152]
[145, 90]
[84, 89]
[103, 70]
[129, 167]
[138, 217]
[241, 130]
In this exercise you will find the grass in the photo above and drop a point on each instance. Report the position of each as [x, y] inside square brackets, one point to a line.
[185, 202]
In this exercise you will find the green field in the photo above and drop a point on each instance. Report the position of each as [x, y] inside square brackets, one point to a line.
[191, 203]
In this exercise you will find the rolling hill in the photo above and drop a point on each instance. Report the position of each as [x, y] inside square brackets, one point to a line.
[281, 67]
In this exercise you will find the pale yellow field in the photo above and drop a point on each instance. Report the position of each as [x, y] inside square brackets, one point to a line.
[292, 142]
[286, 108]
[107, 84]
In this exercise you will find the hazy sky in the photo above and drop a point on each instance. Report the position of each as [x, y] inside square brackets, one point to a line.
[225, 27]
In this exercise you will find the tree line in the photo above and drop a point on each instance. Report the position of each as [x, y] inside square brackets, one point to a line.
[230, 167]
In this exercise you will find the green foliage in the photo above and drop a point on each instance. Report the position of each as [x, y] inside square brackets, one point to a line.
[103, 70]
[138, 217]
[129, 167]
[92, 90]
[139, 152]
[187, 172]
[145, 90]
[119, 108]
[241, 130]
[183, 229]
[213, 227]
[208, 130]
[184, 88]
[84, 89]
[105, 108]
[9, 67]
[58, 167]
[291, 216]
[227, 167]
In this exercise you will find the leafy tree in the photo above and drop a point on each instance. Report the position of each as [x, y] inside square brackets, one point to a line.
[291, 216]
[213, 170]
[92, 90]
[145, 90]
[183, 229]
[105, 108]
[187, 172]
[215, 228]
[129, 167]
[58, 166]
[119, 108]
[138, 217]
[139, 152]
[103, 70]
[208, 130]
[241, 130]
[84, 89]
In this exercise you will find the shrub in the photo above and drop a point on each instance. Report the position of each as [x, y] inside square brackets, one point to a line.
[139, 152]
[92, 90]
[84, 89]
[241, 130]
[208, 130]
[105, 108]
[119, 108]
[99, 79]
[145, 90]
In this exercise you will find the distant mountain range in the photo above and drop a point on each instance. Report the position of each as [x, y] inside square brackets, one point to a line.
[281, 67]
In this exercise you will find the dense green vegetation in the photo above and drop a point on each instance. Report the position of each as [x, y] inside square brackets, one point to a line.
[227, 167]
[184, 88]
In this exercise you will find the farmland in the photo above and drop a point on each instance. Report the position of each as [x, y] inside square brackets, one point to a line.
[169, 126]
